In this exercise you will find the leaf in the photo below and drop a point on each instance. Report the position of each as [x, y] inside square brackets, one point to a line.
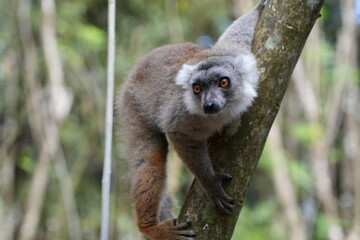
[92, 37]
[307, 133]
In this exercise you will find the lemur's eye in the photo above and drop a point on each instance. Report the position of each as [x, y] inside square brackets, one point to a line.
[224, 83]
[197, 88]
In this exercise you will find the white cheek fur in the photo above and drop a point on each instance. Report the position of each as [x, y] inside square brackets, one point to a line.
[244, 101]
[191, 104]
[183, 79]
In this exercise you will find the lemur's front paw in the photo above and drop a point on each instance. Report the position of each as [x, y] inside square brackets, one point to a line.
[219, 199]
[170, 230]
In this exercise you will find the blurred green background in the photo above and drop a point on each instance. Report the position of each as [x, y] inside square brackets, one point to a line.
[52, 107]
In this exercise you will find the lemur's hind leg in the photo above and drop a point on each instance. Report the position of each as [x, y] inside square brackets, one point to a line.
[148, 190]
[151, 202]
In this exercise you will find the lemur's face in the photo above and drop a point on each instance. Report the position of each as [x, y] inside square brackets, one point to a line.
[219, 85]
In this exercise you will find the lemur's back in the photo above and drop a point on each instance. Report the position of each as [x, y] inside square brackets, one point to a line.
[152, 80]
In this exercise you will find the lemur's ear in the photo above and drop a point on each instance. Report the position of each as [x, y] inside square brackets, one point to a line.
[246, 65]
[184, 75]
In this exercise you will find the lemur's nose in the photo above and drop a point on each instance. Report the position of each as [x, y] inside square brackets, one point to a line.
[211, 107]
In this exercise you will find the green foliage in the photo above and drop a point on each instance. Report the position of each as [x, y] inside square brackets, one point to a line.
[301, 175]
[299, 171]
[26, 160]
[260, 222]
[266, 157]
[92, 37]
[89, 194]
[307, 133]
[321, 227]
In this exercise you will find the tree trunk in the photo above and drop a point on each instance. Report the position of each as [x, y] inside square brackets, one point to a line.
[281, 34]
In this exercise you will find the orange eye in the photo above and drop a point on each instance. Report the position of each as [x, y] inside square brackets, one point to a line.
[224, 83]
[197, 89]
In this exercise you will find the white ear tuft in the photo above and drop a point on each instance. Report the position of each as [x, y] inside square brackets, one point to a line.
[247, 61]
[248, 68]
[184, 74]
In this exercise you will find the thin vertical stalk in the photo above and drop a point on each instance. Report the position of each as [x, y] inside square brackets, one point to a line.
[108, 122]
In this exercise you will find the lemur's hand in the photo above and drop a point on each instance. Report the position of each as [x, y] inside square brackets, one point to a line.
[218, 198]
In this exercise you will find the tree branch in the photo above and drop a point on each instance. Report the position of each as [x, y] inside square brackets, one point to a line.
[281, 34]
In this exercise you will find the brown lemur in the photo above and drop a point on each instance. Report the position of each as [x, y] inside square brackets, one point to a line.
[184, 93]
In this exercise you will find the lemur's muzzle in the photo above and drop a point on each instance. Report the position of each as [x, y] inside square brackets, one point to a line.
[211, 107]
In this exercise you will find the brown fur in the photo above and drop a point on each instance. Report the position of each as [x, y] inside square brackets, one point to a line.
[157, 103]
[150, 183]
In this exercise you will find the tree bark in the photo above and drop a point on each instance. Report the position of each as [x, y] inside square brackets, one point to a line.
[281, 34]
